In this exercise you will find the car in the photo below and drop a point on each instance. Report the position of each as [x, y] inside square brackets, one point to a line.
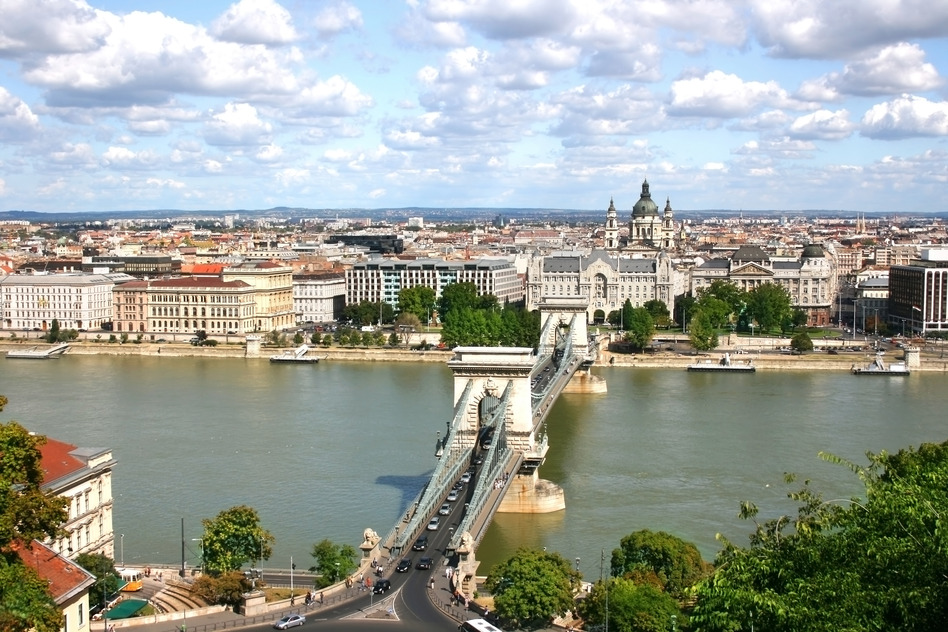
[424, 564]
[458, 486]
[420, 544]
[433, 524]
[403, 566]
[160, 340]
[445, 510]
[231, 332]
[452, 495]
[290, 621]
[381, 586]
[546, 370]
[466, 477]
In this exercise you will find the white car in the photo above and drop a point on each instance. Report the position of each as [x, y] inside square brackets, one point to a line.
[290, 621]
[452, 495]
[445, 509]
[433, 524]
[466, 477]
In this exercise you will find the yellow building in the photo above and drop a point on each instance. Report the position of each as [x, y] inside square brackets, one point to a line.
[273, 293]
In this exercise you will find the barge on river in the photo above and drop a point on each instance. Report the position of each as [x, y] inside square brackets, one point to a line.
[724, 365]
[879, 367]
[295, 356]
[37, 353]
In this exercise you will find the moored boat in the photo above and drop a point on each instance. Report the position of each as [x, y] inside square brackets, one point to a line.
[37, 353]
[724, 365]
[297, 355]
[879, 367]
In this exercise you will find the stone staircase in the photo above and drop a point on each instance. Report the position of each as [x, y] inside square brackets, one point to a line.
[176, 597]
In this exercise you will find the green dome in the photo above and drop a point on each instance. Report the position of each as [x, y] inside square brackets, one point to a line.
[813, 251]
[645, 207]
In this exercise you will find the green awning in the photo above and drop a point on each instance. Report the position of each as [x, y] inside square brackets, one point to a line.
[125, 609]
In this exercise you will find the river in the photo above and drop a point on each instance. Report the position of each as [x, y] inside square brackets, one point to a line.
[325, 451]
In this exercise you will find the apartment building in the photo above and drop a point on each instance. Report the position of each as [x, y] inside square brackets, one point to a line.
[918, 293]
[319, 297]
[76, 301]
[382, 279]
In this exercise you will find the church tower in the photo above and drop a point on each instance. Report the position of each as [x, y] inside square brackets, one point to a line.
[668, 226]
[612, 227]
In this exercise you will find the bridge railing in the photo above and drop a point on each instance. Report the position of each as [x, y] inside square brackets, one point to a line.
[494, 461]
[446, 472]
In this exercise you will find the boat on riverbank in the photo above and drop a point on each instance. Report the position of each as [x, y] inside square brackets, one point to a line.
[295, 356]
[879, 367]
[724, 365]
[37, 353]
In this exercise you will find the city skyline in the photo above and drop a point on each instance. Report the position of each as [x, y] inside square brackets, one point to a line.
[780, 105]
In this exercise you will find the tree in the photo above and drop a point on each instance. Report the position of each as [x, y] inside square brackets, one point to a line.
[703, 335]
[458, 296]
[106, 579]
[234, 538]
[632, 607]
[406, 324]
[532, 587]
[658, 311]
[418, 300]
[768, 304]
[298, 338]
[718, 312]
[684, 309]
[27, 513]
[734, 297]
[333, 562]
[53, 334]
[870, 563]
[801, 342]
[676, 564]
[639, 327]
[226, 589]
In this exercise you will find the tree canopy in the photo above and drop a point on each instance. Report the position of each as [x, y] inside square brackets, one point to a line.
[639, 327]
[233, 538]
[871, 563]
[532, 587]
[676, 564]
[703, 335]
[769, 304]
[418, 300]
[26, 513]
[333, 562]
[632, 606]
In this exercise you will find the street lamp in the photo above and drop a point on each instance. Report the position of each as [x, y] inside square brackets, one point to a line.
[674, 621]
[122, 547]
[577, 564]
[201, 544]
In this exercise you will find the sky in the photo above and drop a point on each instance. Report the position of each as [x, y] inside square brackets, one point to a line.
[720, 104]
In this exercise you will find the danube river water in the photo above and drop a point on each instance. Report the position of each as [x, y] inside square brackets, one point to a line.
[325, 451]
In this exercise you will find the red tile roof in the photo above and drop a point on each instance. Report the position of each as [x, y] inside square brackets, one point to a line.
[57, 462]
[65, 578]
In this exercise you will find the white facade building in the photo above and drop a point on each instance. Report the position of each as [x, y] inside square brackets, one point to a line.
[319, 297]
[76, 301]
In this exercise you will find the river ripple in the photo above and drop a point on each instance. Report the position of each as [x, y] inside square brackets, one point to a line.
[325, 451]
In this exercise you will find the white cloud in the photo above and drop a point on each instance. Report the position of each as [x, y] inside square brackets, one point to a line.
[823, 125]
[255, 22]
[906, 117]
[336, 19]
[269, 153]
[17, 120]
[290, 177]
[894, 69]
[74, 155]
[722, 95]
[375, 194]
[238, 124]
[49, 26]
[124, 158]
[820, 29]
[502, 19]
[164, 183]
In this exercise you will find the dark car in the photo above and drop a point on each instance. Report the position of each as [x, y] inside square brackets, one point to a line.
[420, 544]
[424, 564]
[403, 566]
[381, 586]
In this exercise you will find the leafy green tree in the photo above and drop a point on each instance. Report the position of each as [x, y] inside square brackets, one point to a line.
[684, 309]
[639, 327]
[801, 342]
[659, 312]
[393, 339]
[27, 513]
[106, 579]
[615, 318]
[703, 335]
[226, 588]
[53, 334]
[234, 538]
[298, 338]
[532, 587]
[418, 300]
[675, 563]
[632, 607]
[333, 562]
[716, 310]
[871, 563]
[316, 338]
[768, 304]
[458, 296]
[734, 297]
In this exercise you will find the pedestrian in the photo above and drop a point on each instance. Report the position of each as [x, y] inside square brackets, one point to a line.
[321, 598]
[431, 584]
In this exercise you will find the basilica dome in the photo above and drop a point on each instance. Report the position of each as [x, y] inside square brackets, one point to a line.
[645, 207]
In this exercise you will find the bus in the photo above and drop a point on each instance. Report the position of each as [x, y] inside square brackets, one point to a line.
[131, 578]
[478, 625]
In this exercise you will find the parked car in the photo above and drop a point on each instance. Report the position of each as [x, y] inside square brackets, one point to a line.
[403, 566]
[381, 586]
[445, 510]
[290, 621]
[433, 524]
[420, 544]
[424, 564]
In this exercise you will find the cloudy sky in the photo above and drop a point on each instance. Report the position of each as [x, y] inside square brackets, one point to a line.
[739, 104]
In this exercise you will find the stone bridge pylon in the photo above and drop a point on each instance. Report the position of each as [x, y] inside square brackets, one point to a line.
[486, 373]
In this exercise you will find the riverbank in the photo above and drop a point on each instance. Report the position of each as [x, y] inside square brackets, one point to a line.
[815, 361]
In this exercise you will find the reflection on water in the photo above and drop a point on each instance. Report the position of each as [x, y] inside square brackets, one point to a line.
[325, 451]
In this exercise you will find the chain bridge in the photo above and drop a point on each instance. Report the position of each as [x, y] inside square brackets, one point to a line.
[502, 396]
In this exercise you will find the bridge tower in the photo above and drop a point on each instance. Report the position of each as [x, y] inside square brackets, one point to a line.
[563, 309]
[491, 370]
